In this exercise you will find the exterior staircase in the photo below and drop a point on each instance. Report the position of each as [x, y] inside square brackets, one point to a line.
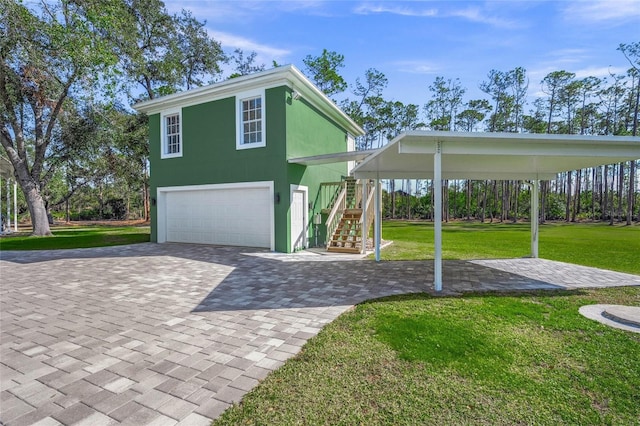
[347, 237]
[344, 224]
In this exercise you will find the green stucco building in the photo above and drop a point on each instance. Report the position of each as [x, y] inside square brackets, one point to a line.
[219, 160]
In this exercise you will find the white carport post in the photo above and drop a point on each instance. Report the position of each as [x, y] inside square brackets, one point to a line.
[364, 206]
[15, 206]
[8, 204]
[378, 223]
[534, 218]
[437, 231]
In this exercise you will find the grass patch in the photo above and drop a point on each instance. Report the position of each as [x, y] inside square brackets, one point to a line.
[598, 245]
[527, 358]
[73, 237]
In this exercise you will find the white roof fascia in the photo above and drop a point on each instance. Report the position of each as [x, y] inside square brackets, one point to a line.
[558, 148]
[495, 155]
[287, 75]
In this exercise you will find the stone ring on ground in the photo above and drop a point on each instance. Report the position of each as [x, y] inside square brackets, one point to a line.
[618, 316]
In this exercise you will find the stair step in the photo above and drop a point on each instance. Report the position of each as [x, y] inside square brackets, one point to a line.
[353, 250]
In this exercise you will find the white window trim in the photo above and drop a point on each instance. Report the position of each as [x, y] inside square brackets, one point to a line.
[239, 130]
[163, 133]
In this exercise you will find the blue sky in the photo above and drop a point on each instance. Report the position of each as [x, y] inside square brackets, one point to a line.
[412, 42]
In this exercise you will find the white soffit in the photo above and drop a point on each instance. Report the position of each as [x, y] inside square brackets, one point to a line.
[339, 157]
[494, 155]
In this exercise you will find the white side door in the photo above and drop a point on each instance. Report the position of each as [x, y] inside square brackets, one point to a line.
[298, 217]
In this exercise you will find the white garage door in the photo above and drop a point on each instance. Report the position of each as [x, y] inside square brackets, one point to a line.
[236, 215]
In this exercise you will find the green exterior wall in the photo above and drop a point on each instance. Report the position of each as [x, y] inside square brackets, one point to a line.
[309, 132]
[209, 154]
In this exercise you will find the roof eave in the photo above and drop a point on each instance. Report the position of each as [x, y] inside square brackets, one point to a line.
[287, 75]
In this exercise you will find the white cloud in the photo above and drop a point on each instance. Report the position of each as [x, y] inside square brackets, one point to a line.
[600, 72]
[417, 67]
[569, 54]
[265, 53]
[537, 75]
[602, 10]
[472, 14]
[367, 9]
[223, 10]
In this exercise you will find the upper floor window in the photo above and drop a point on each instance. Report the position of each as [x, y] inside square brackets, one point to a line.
[171, 134]
[251, 131]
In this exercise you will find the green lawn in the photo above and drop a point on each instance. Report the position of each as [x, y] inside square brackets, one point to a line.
[481, 359]
[74, 237]
[478, 359]
[599, 245]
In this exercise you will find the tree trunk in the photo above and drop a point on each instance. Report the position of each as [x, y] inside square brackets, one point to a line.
[620, 190]
[631, 192]
[605, 196]
[515, 201]
[594, 189]
[455, 199]
[431, 201]
[468, 199]
[445, 198]
[37, 210]
[393, 199]
[611, 198]
[543, 200]
[35, 202]
[495, 199]
[576, 199]
[484, 201]
[567, 212]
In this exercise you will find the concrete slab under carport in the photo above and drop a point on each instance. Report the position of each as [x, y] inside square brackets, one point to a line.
[175, 333]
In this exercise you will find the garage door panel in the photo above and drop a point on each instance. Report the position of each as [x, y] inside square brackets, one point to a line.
[232, 216]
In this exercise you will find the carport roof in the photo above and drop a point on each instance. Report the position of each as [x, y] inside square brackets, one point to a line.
[454, 155]
[478, 155]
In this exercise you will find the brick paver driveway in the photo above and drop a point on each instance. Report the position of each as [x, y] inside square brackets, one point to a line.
[174, 334]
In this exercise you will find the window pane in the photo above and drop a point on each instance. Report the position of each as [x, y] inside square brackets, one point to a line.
[251, 120]
[172, 134]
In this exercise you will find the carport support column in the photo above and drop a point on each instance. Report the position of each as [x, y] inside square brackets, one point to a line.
[364, 206]
[15, 206]
[377, 230]
[534, 218]
[437, 192]
[8, 204]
